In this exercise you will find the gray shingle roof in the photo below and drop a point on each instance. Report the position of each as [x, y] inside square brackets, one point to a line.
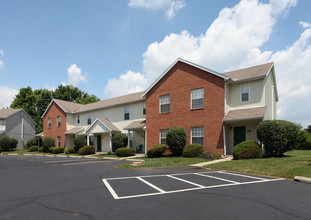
[136, 125]
[245, 114]
[109, 124]
[250, 72]
[5, 113]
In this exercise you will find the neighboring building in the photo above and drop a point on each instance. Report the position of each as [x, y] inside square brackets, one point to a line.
[64, 120]
[16, 123]
[216, 110]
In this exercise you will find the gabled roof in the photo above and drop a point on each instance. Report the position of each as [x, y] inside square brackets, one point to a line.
[253, 72]
[245, 114]
[136, 125]
[186, 62]
[72, 107]
[104, 121]
[73, 130]
[5, 113]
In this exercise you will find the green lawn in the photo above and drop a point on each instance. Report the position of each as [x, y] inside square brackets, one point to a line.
[294, 163]
[165, 162]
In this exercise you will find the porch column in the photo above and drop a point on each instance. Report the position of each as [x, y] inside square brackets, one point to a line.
[110, 141]
[145, 139]
[224, 136]
[87, 139]
[128, 138]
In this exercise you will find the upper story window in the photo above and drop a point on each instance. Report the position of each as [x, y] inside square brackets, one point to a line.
[49, 123]
[78, 119]
[164, 103]
[58, 121]
[244, 93]
[144, 108]
[163, 133]
[197, 135]
[197, 98]
[89, 119]
[59, 141]
[126, 112]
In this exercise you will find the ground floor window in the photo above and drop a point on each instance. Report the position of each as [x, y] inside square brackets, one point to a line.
[58, 141]
[163, 133]
[197, 135]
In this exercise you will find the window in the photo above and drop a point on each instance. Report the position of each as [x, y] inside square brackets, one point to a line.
[78, 120]
[245, 93]
[197, 98]
[144, 109]
[49, 123]
[58, 141]
[197, 135]
[89, 119]
[164, 103]
[163, 133]
[126, 112]
[58, 121]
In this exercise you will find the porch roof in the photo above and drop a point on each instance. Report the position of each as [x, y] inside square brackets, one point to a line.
[245, 114]
[38, 135]
[2, 131]
[73, 130]
[136, 125]
[104, 121]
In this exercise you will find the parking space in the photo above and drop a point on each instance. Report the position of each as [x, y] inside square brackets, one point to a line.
[152, 185]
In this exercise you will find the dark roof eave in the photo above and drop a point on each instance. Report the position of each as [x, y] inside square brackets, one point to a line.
[243, 119]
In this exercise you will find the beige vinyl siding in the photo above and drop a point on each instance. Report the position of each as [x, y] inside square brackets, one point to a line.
[270, 99]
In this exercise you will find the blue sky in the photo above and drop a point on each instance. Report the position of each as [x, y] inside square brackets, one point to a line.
[110, 48]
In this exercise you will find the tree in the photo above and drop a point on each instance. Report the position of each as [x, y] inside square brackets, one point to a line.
[80, 141]
[308, 129]
[119, 140]
[176, 139]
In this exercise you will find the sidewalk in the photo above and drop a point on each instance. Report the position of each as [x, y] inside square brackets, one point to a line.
[228, 158]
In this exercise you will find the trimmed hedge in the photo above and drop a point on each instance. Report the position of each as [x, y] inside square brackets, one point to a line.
[31, 142]
[125, 152]
[278, 136]
[57, 150]
[33, 148]
[109, 152]
[1, 149]
[47, 143]
[247, 150]
[209, 155]
[156, 150]
[176, 139]
[72, 150]
[304, 140]
[88, 149]
[80, 141]
[7, 143]
[193, 150]
[119, 140]
[40, 149]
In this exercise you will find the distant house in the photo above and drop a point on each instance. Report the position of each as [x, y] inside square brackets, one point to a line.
[16, 123]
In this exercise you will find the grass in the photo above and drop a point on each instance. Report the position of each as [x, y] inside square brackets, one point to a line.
[294, 163]
[106, 155]
[165, 162]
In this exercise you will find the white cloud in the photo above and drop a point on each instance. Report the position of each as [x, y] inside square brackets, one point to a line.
[1, 53]
[169, 6]
[1, 61]
[6, 96]
[75, 75]
[129, 82]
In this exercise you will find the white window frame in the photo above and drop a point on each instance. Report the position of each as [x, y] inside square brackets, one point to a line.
[242, 91]
[160, 135]
[192, 98]
[126, 110]
[59, 121]
[197, 136]
[89, 118]
[49, 122]
[144, 108]
[164, 101]
[78, 119]
[59, 141]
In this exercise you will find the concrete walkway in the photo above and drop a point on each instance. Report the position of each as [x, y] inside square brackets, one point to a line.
[228, 158]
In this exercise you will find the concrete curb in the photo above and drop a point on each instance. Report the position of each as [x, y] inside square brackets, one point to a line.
[302, 179]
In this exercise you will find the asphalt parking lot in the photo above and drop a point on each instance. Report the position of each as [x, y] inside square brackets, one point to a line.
[33, 187]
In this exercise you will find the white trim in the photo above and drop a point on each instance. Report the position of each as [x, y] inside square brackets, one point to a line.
[249, 92]
[224, 137]
[197, 136]
[186, 62]
[192, 99]
[97, 119]
[53, 100]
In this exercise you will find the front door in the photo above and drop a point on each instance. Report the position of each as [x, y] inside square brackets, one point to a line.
[99, 143]
[239, 134]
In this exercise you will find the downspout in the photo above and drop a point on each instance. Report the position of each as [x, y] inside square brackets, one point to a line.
[224, 135]
[145, 139]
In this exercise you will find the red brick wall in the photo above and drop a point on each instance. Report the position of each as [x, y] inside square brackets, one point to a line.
[178, 82]
[55, 131]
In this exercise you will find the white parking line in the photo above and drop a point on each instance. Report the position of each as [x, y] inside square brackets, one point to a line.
[71, 164]
[113, 193]
[217, 178]
[186, 181]
[62, 161]
[150, 184]
[236, 174]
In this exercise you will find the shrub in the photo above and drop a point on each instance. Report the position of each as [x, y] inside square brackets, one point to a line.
[278, 136]
[88, 149]
[176, 139]
[72, 150]
[79, 141]
[125, 152]
[40, 149]
[31, 142]
[193, 150]
[304, 140]
[67, 152]
[247, 150]
[209, 155]
[1, 149]
[33, 148]
[8, 143]
[47, 143]
[57, 150]
[119, 140]
[109, 152]
[156, 150]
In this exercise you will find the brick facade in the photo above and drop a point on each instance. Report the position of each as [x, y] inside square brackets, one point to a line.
[179, 82]
[53, 112]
